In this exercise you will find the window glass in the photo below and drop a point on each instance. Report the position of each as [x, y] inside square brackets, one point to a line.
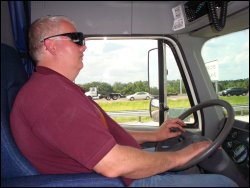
[122, 77]
[227, 61]
[115, 75]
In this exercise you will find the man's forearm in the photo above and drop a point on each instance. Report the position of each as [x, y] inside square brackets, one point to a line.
[134, 163]
[143, 136]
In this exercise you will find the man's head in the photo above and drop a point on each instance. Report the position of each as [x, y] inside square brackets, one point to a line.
[55, 43]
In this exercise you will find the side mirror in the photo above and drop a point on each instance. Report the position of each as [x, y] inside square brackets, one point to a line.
[155, 103]
[154, 109]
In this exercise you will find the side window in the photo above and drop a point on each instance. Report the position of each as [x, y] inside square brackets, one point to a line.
[115, 75]
[228, 67]
[122, 77]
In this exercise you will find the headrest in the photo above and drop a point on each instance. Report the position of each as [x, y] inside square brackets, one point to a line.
[13, 74]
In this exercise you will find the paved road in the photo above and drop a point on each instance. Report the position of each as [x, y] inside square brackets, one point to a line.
[243, 118]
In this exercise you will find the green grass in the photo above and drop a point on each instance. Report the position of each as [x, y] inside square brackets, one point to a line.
[180, 103]
[112, 106]
[132, 119]
[236, 100]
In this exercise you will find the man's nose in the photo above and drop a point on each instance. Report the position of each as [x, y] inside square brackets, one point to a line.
[83, 48]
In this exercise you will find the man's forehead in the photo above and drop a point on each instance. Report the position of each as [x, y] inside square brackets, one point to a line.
[67, 25]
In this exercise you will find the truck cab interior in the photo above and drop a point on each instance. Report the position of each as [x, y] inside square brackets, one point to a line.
[177, 32]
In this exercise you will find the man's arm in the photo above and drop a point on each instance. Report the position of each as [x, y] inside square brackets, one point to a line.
[143, 136]
[162, 133]
[134, 163]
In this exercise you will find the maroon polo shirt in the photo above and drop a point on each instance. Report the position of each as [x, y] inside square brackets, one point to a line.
[59, 129]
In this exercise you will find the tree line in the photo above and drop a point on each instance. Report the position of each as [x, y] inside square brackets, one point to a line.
[242, 83]
[118, 87]
[173, 86]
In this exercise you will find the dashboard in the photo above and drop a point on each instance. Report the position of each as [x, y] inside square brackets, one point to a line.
[237, 147]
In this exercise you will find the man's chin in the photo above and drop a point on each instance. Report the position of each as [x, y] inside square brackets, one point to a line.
[81, 65]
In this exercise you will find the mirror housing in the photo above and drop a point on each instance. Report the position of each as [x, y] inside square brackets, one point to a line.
[154, 109]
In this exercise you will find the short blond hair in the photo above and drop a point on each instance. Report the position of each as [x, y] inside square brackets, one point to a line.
[42, 28]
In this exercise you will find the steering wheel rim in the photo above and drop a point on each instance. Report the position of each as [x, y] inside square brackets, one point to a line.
[221, 136]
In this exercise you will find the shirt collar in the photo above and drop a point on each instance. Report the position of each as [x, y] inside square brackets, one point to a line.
[48, 71]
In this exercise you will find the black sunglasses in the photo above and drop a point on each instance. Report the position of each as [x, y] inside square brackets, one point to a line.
[76, 37]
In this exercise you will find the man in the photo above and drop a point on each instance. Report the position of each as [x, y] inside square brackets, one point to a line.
[60, 130]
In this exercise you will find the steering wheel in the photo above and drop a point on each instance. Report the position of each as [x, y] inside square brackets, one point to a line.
[188, 137]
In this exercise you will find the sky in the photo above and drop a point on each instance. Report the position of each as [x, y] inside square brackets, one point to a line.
[112, 61]
[126, 61]
[233, 56]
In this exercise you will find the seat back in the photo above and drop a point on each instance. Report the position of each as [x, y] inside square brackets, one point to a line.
[13, 76]
[16, 170]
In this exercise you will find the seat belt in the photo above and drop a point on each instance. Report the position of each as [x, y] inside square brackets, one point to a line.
[102, 117]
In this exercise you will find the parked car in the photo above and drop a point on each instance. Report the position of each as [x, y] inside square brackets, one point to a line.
[139, 95]
[234, 91]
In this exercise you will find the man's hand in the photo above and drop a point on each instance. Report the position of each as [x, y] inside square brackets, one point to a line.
[169, 129]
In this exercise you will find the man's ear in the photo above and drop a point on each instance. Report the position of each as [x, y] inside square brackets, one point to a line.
[50, 46]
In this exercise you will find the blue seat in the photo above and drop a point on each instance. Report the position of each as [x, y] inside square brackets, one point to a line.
[15, 168]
